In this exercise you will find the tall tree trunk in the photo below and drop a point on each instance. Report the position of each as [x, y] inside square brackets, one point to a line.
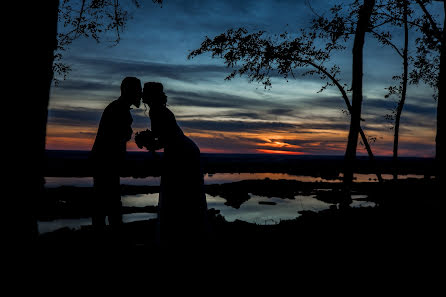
[439, 139]
[364, 15]
[35, 42]
[400, 106]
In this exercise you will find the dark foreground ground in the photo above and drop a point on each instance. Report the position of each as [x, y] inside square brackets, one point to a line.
[407, 226]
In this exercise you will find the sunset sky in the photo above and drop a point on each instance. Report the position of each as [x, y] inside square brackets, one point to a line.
[233, 116]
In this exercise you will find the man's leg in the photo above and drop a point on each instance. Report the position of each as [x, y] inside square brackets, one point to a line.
[98, 209]
[114, 209]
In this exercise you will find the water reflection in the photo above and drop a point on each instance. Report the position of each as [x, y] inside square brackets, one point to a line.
[140, 200]
[360, 201]
[255, 210]
[63, 223]
[250, 211]
[219, 178]
[54, 182]
[76, 224]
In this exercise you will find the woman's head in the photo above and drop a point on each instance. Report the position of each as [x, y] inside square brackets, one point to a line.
[153, 94]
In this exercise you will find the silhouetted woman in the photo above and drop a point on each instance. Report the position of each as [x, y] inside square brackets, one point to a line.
[182, 202]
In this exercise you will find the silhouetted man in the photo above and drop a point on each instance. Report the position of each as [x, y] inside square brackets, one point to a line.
[108, 154]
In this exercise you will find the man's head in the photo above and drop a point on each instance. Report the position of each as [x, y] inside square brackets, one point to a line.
[153, 94]
[131, 90]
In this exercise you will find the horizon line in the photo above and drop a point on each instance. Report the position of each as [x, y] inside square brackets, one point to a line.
[259, 154]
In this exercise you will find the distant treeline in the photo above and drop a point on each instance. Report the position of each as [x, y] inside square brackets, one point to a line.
[141, 164]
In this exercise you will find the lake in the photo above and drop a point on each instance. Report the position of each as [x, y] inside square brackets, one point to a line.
[258, 209]
[219, 178]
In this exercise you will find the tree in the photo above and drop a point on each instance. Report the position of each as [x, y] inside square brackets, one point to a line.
[362, 26]
[426, 62]
[38, 28]
[396, 10]
[434, 40]
[34, 41]
[400, 106]
[259, 57]
[90, 19]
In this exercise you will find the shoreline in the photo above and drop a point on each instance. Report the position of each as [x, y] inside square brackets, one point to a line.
[70, 202]
[75, 202]
[391, 224]
[406, 224]
[408, 212]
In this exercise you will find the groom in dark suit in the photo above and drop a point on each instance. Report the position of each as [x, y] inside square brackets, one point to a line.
[108, 154]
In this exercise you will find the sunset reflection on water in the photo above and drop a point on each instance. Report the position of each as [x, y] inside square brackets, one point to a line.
[220, 178]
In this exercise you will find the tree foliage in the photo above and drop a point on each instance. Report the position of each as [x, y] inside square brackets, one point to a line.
[261, 56]
[90, 19]
[428, 47]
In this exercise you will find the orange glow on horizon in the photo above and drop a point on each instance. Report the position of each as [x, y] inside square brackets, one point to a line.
[317, 142]
[279, 152]
[279, 144]
[69, 143]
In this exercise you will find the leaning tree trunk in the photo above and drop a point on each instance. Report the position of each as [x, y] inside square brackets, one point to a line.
[400, 106]
[35, 42]
[364, 15]
[349, 108]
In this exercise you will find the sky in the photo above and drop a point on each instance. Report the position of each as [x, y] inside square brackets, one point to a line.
[235, 116]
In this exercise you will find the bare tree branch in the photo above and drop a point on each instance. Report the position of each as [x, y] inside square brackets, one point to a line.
[387, 41]
[437, 31]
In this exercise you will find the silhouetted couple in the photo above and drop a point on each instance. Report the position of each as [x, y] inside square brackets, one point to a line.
[182, 204]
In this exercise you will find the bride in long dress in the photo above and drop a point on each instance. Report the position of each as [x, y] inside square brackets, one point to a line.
[182, 202]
